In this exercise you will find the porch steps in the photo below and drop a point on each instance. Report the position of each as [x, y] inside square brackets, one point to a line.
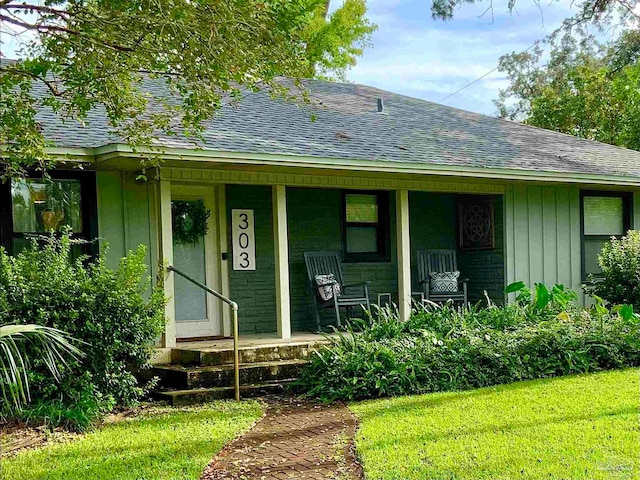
[202, 395]
[265, 353]
[183, 377]
[200, 375]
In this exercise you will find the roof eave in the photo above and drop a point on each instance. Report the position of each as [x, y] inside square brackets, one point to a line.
[114, 150]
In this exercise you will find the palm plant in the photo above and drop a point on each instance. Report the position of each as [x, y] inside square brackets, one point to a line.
[52, 345]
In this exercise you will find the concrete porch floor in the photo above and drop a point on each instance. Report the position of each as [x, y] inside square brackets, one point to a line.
[252, 340]
[247, 341]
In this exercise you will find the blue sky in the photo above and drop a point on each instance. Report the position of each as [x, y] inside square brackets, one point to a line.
[415, 55]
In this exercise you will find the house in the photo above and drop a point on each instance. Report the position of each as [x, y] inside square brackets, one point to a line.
[516, 202]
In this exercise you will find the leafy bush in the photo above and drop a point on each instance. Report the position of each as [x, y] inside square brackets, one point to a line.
[619, 282]
[76, 413]
[447, 348]
[106, 309]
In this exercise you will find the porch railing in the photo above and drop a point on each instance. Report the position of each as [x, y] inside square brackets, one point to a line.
[234, 316]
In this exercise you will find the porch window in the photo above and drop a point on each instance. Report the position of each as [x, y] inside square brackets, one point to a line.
[604, 214]
[365, 226]
[35, 206]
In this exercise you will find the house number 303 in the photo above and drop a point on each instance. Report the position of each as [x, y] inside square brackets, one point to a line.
[244, 240]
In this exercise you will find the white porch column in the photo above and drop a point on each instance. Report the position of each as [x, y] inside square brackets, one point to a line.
[165, 256]
[227, 327]
[281, 246]
[404, 254]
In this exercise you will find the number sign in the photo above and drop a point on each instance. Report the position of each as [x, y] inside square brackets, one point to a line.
[244, 240]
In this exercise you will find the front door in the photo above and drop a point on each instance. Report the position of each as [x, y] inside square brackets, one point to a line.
[194, 227]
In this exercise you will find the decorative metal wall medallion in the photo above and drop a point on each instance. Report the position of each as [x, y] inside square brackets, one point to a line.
[476, 223]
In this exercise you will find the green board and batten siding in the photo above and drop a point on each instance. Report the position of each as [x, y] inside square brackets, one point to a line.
[540, 230]
[126, 216]
[636, 210]
[542, 234]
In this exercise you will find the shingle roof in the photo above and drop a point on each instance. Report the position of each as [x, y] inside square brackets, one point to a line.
[348, 127]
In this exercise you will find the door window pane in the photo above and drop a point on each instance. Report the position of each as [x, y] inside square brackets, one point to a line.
[39, 206]
[603, 216]
[190, 300]
[362, 239]
[362, 208]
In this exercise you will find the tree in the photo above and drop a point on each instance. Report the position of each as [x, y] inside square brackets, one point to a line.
[567, 81]
[587, 10]
[82, 54]
[584, 89]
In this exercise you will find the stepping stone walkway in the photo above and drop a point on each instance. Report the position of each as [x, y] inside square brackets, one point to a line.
[296, 439]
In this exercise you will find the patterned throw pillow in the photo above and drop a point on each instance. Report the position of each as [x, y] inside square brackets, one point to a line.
[327, 286]
[444, 282]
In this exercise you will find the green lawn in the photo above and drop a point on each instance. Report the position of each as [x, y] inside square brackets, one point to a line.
[578, 427]
[164, 443]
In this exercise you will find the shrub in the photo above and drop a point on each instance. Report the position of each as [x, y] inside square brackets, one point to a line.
[619, 282]
[106, 309]
[76, 413]
[447, 348]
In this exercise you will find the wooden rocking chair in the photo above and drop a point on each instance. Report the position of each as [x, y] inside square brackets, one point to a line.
[440, 261]
[328, 263]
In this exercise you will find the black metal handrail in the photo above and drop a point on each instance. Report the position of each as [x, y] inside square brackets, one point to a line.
[234, 314]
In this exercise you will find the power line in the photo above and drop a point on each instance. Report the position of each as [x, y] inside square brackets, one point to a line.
[469, 84]
[483, 76]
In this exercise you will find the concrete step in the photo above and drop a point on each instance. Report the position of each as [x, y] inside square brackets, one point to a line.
[202, 395]
[263, 353]
[181, 377]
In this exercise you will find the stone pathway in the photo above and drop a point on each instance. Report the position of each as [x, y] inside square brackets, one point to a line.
[296, 439]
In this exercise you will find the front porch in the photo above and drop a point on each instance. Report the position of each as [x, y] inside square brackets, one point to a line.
[274, 296]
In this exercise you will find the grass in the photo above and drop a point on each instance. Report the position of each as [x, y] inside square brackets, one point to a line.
[164, 443]
[577, 427]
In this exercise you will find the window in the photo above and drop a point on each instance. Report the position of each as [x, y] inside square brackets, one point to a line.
[37, 206]
[604, 214]
[365, 226]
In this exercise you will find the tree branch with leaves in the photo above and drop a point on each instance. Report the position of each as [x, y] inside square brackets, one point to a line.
[96, 53]
[583, 88]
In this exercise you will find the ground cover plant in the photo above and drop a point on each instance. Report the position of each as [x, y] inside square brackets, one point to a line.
[577, 427]
[163, 442]
[541, 334]
[106, 310]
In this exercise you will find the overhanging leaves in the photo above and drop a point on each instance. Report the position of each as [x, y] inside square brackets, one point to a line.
[95, 53]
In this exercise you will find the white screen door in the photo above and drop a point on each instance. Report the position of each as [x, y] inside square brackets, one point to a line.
[197, 312]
